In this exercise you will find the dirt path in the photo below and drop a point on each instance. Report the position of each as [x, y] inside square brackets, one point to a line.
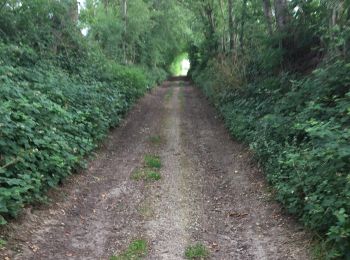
[240, 219]
[210, 192]
[168, 228]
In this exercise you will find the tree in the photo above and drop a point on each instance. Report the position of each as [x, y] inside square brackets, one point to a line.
[231, 24]
[243, 20]
[282, 14]
[268, 15]
[124, 8]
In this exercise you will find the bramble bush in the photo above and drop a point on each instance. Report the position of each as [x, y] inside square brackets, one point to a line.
[299, 128]
[51, 119]
[61, 91]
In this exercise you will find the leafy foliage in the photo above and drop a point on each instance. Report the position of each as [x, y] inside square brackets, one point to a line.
[50, 122]
[60, 91]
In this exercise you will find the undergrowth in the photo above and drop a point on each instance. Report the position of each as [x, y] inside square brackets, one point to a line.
[51, 119]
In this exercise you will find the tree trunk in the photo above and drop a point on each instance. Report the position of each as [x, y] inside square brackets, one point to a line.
[73, 12]
[337, 11]
[223, 38]
[338, 18]
[281, 10]
[268, 15]
[106, 4]
[231, 25]
[3, 4]
[210, 17]
[125, 18]
[243, 17]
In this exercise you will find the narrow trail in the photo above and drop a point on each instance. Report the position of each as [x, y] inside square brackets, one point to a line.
[210, 192]
[168, 229]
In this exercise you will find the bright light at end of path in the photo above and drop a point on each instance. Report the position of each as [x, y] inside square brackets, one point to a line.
[81, 5]
[185, 67]
[85, 31]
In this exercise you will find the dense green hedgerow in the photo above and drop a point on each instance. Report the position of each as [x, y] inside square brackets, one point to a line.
[50, 120]
[300, 130]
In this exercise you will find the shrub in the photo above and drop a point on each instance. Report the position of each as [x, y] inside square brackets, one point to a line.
[51, 119]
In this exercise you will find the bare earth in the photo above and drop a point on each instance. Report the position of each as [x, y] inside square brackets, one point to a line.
[210, 192]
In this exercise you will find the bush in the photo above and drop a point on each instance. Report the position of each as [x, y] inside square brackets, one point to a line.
[51, 119]
[299, 129]
[60, 93]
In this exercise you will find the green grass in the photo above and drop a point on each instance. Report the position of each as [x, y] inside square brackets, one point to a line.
[197, 251]
[136, 250]
[152, 161]
[2, 243]
[146, 175]
[148, 172]
[138, 175]
[153, 176]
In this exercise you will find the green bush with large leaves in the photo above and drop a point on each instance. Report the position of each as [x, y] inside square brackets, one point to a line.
[50, 120]
[61, 91]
